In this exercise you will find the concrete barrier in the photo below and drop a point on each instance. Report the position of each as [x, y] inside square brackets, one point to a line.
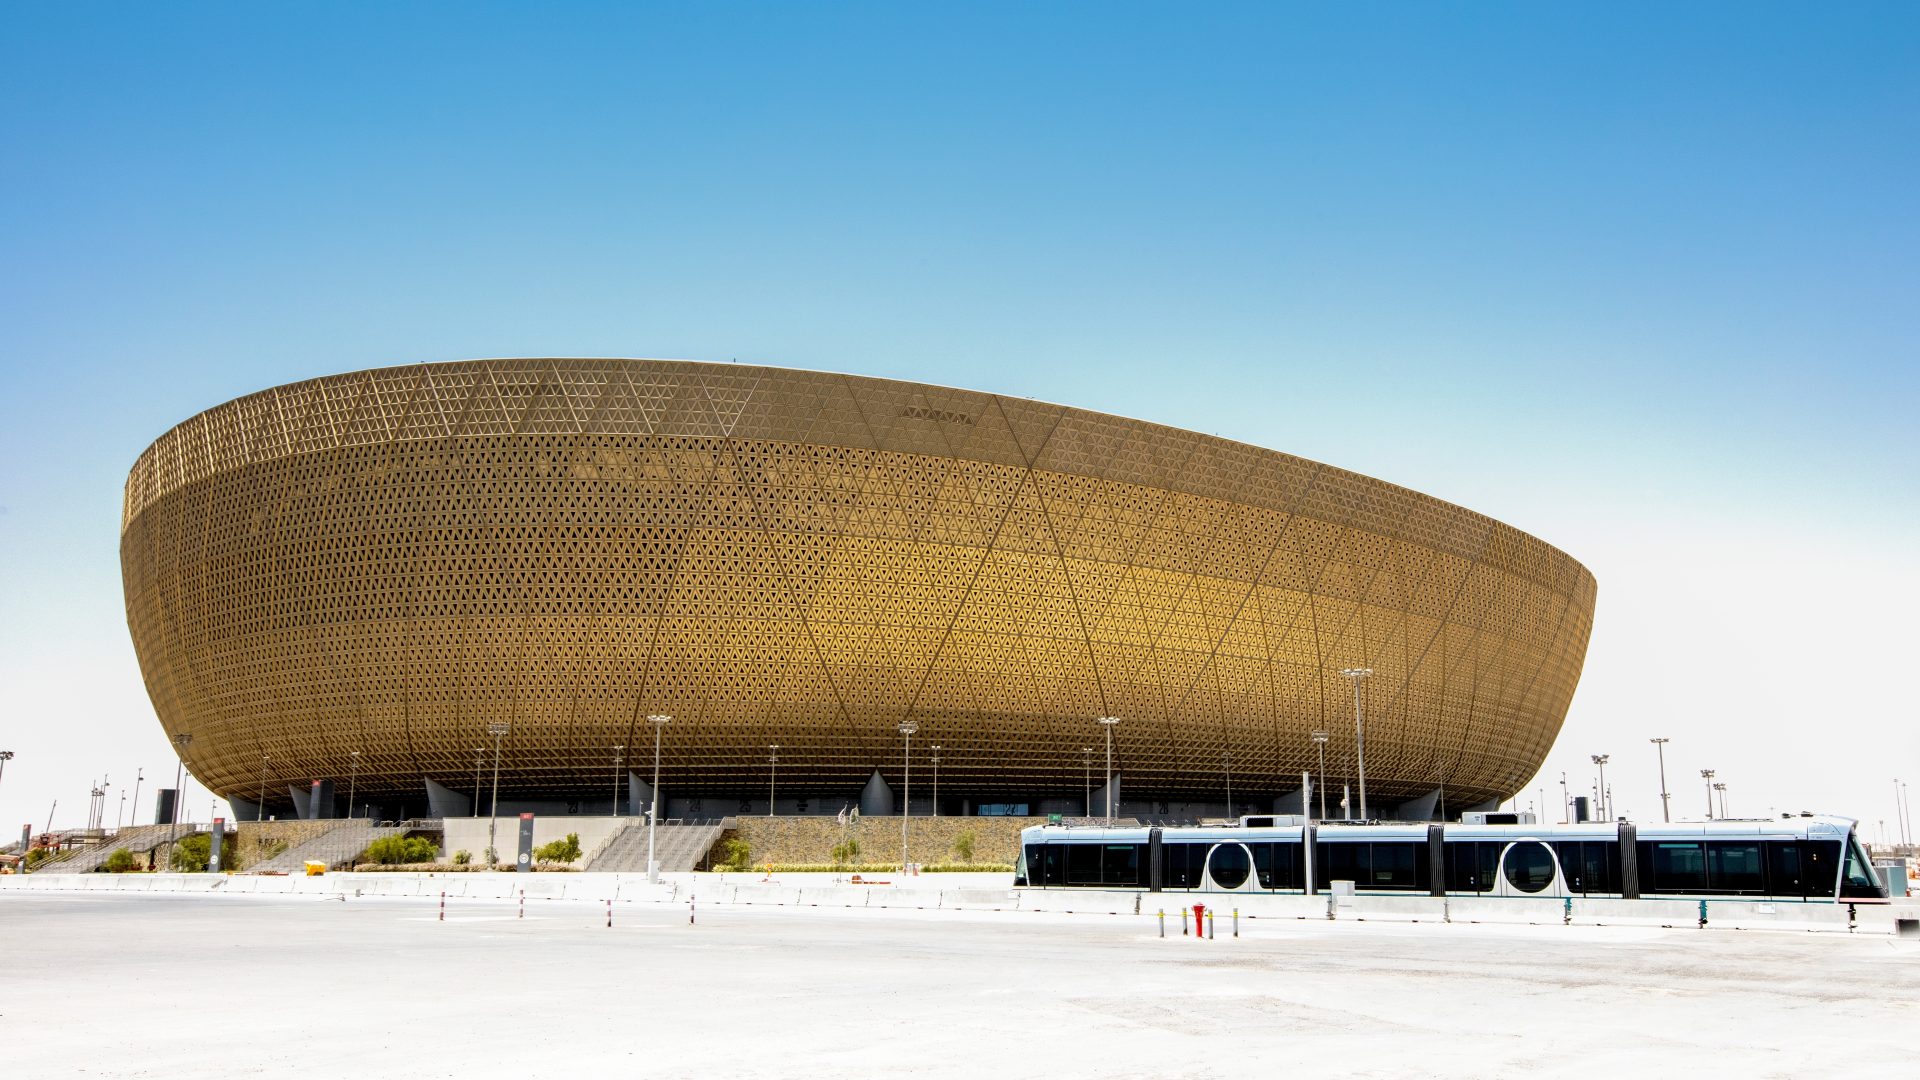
[831, 890]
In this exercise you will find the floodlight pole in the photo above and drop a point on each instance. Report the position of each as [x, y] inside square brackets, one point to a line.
[1721, 787]
[1226, 762]
[479, 760]
[260, 810]
[1601, 761]
[139, 774]
[907, 728]
[1108, 722]
[353, 783]
[1086, 767]
[659, 723]
[1660, 745]
[619, 755]
[1707, 775]
[498, 730]
[936, 780]
[1359, 733]
[773, 769]
[1320, 740]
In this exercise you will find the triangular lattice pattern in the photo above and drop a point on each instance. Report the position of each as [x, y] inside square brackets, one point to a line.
[388, 561]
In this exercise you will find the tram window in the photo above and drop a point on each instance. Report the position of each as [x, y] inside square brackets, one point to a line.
[1083, 864]
[1784, 874]
[1228, 865]
[1120, 864]
[1529, 866]
[1734, 867]
[1341, 862]
[1675, 867]
[1396, 866]
[1470, 865]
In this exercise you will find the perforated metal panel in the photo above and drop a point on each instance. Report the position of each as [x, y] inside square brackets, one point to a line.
[391, 560]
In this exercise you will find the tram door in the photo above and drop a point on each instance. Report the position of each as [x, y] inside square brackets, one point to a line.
[1529, 868]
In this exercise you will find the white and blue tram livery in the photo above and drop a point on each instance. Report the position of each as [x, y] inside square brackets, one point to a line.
[1807, 858]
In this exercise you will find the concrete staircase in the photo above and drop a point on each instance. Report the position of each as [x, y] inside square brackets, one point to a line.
[337, 847]
[134, 838]
[676, 847]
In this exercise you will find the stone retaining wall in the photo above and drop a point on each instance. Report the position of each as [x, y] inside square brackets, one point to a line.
[791, 840]
[253, 841]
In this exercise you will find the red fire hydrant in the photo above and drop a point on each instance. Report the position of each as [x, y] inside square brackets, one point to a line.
[1199, 920]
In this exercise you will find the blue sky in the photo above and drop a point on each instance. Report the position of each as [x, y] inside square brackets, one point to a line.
[1639, 280]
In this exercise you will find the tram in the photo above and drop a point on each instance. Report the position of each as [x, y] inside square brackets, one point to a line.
[1807, 858]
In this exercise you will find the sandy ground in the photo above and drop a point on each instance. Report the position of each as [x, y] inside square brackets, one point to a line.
[100, 985]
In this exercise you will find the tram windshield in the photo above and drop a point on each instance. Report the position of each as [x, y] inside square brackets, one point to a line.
[1859, 878]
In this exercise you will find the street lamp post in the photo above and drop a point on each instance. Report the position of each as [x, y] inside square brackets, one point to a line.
[138, 775]
[1660, 745]
[1906, 812]
[1902, 811]
[1226, 762]
[773, 767]
[479, 760]
[1108, 722]
[1601, 761]
[353, 783]
[1722, 789]
[1707, 775]
[619, 755]
[1086, 762]
[260, 810]
[1899, 811]
[498, 729]
[1357, 674]
[1566, 802]
[180, 742]
[659, 723]
[1320, 740]
[907, 728]
[936, 780]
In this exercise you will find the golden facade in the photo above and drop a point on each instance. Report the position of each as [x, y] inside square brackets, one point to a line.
[392, 560]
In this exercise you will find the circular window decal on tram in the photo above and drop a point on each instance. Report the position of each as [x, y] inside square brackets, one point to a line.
[1528, 866]
[1229, 865]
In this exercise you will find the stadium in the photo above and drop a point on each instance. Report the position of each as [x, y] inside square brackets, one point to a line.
[391, 591]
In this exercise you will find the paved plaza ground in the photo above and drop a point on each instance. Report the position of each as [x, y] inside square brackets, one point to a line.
[105, 985]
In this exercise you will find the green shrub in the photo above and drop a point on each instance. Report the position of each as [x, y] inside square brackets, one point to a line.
[967, 868]
[38, 855]
[560, 851]
[963, 846]
[493, 857]
[190, 854]
[396, 850]
[735, 854]
[462, 857]
[119, 862]
[846, 851]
